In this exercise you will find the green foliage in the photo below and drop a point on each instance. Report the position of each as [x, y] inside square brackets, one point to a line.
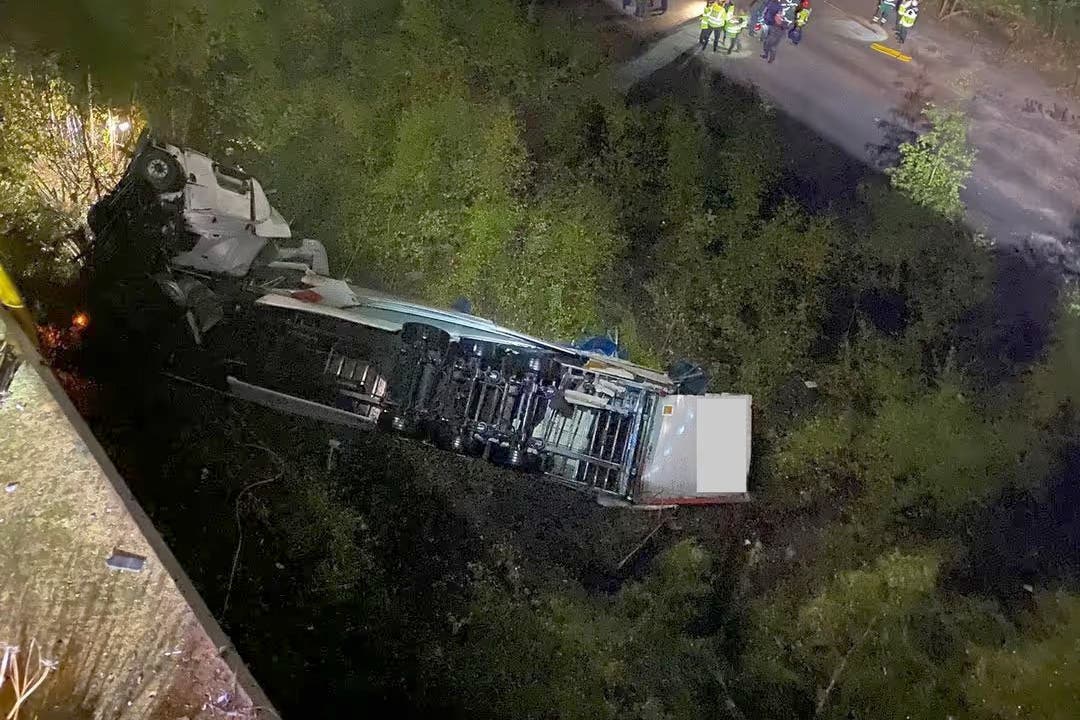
[338, 548]
[561, 654]
[1033, 677]
[684, 176]
[58, 154]
[553, 273]
[726, 285]
[1053, 387]
[936, 447]
[743, 296]
[870, 634]
[447, 198]
[855, 601]
[908, 448]
[814, 461]
[902, 271]
[933, 169]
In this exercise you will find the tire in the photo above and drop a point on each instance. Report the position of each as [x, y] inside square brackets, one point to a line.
[511, 457]
[161, 170]
[400, 424]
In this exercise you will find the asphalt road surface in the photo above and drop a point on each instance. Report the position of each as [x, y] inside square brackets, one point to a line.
[1025, 189]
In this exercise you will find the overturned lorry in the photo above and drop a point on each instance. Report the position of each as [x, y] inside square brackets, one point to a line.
[288, 336]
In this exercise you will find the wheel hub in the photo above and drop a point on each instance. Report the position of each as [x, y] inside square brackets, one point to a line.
[157, 169]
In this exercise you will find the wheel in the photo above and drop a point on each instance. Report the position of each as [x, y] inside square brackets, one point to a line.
[509, 456]
[474, 446]
[161, 170]
[400, 424]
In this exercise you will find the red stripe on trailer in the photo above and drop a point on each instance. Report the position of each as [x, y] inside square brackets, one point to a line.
[307, 296]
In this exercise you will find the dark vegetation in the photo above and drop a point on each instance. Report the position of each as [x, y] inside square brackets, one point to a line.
[912, 547]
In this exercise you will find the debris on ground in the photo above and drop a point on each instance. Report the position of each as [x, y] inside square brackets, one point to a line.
[125, 561]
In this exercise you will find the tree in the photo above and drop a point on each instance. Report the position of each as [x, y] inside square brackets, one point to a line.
[933, 169]
[1057, 10]
[741, 295]
[1034, 676]
[875, 642]
[542, 653]
[58, 155]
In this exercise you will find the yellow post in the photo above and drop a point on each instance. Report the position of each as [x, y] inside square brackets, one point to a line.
[12, 300]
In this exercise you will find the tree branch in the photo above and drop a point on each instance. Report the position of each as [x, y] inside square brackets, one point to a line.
[839, 670]
[729, 703]
[89, 118]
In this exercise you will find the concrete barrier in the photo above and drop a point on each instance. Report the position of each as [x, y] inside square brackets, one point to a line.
[86, 577]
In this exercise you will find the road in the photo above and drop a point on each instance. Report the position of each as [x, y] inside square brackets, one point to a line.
[1025, 188]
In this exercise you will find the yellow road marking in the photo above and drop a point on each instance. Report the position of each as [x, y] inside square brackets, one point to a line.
[890, 52]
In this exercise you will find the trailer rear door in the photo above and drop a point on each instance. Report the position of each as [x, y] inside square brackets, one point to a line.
[699, 451]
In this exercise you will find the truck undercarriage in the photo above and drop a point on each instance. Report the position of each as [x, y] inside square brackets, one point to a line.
[523, 408]
[293, 339]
